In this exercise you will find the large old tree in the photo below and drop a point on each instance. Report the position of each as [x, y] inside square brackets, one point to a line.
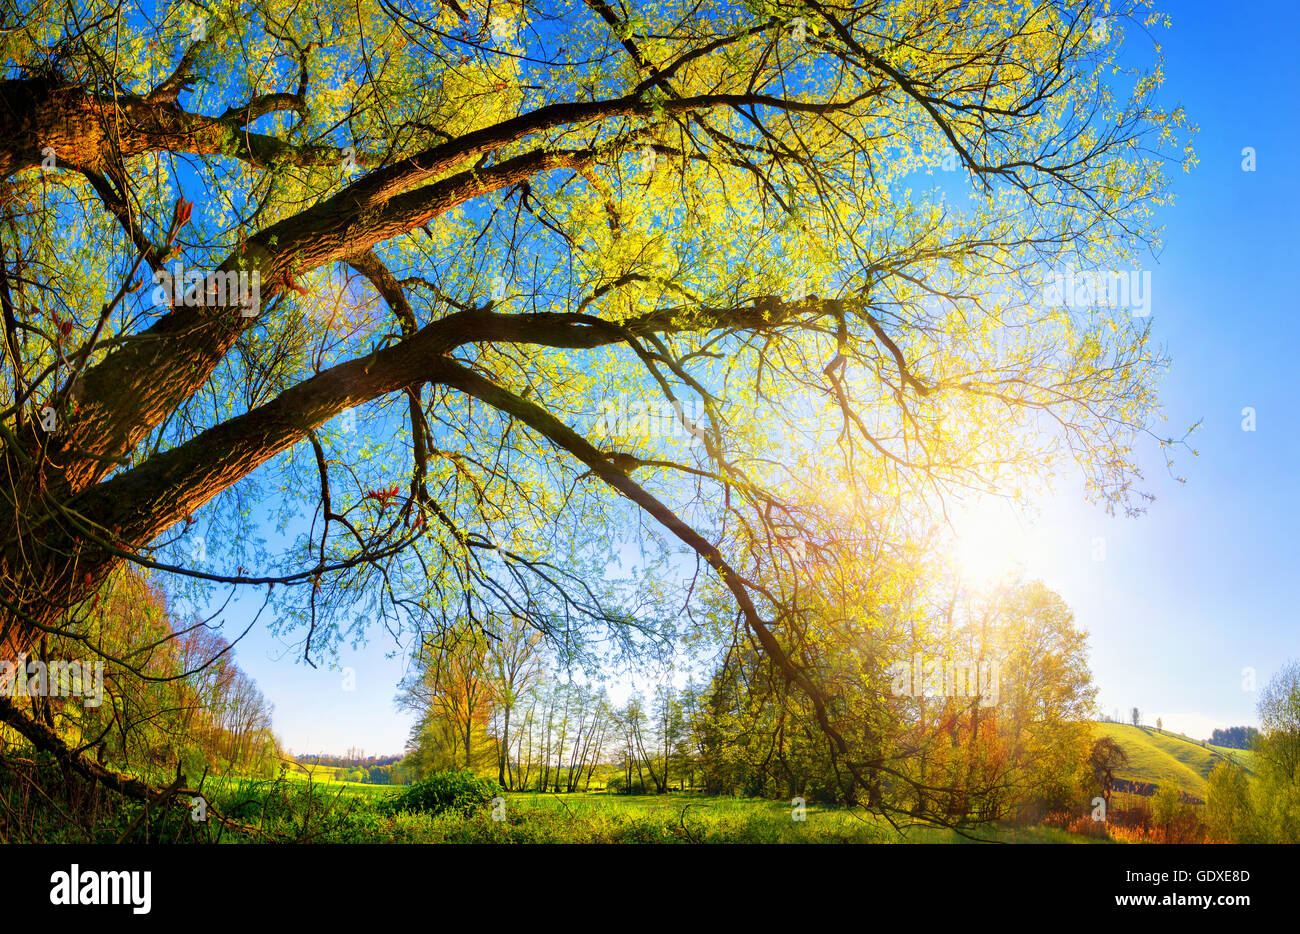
[490, 236]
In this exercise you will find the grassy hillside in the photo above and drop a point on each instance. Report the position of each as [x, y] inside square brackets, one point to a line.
[1165, 758]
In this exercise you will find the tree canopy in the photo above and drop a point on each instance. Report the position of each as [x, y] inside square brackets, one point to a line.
[487, 248]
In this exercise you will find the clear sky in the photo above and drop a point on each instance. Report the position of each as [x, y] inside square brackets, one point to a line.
[1202, 586]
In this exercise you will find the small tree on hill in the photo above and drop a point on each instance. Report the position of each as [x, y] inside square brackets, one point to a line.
[1107, 757]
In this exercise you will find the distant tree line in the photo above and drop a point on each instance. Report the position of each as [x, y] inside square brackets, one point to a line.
[353, 766]
[351, 759]
[1235, 737]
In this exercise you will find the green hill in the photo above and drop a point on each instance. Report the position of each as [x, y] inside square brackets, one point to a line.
[1161, 757]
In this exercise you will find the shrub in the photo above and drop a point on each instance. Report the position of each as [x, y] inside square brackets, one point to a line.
[618, 785]
[1228, 811]
[462, 792]
[1176, 819]
[1276, 805]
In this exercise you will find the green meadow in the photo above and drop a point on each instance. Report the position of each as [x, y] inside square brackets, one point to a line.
[352, 812]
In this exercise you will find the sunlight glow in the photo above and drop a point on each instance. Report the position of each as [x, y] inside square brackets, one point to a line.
[991, 542]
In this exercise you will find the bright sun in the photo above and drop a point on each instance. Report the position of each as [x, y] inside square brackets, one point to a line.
[990, 543]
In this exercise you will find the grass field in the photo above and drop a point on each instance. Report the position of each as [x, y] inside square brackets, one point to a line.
[1167, 758]
[351, 812]
[337, 811]
[686, 817]
[327, 780]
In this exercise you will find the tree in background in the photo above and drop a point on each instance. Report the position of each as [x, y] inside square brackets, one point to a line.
[1229, 810]
[1279, 722]
[962, 749]
[515, 666]
[1105, 759]
[468, 692]
[451, 691]
[1277, 755]
[1047, 695]
[1235, 737]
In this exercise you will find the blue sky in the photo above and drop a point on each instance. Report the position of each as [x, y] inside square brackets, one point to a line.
[1202, 586]
[1199, 588]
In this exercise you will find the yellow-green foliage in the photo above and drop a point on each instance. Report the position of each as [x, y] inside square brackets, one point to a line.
[1229, 811]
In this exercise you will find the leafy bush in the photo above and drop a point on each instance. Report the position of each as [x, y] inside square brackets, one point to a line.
[1177, 819]
[1276, 804]
[462, 792]
[618, 785]
[1228, 811]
